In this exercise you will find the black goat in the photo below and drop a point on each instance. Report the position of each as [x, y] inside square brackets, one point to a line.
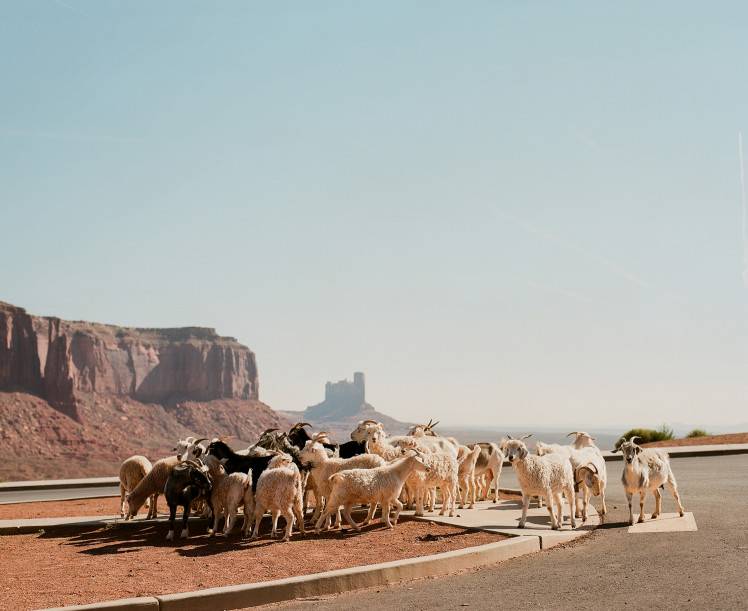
[298, 437]
[349, 449]
[186, 483]
[239, 463]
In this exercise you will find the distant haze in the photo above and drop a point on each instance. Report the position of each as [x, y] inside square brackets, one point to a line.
[502, 213]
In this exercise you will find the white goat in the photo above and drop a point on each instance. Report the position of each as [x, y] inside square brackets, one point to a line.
[466, 476]
[582, 440]
[549, 476]
[131, 473]
[442, 473]
[489, 464]
[150, 486]
[428, 438]
[189, 448]
[646, 470]
[380, 485]
[322, 467]
[231, 491]
[279, 492]
[590, 478]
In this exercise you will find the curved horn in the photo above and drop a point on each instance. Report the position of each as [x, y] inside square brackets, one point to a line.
[510, 437]
[192, 463]
[431, 426]
[266, 431]
[634, 437]
[321, 434]
[525, 436]
[199, 440]
[276, 452]
[573, 433]
[591, 467]
[370, 422]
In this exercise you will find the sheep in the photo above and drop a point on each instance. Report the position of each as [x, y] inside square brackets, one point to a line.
[322, 466]
[590, 477]
[646, 470]
[131, 472]
[150, 486]
[442, 473]
[380, 485]
[548, 476]
[466, 476]
[187, 482]
[279, 491]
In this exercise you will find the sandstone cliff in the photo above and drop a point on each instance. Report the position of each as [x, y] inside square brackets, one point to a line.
[77, 398]
[56, 359]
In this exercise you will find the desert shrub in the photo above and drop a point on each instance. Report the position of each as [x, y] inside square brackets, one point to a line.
[698, 433]
[647, 435]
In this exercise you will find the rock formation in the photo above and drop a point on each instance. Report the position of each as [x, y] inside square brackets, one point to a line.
[344, 406]
[55, 359]
[77, 398]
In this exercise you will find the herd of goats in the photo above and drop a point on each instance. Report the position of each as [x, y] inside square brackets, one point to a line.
[280, 472]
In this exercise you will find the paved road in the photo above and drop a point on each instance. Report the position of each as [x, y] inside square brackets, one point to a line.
[56, 494]
[610, 568]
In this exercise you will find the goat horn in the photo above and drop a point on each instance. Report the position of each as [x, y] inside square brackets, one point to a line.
[573, 433]
[431, 426]
[525, 436]
[588, 465]
[276, 452]
[225, 438]
[321, 434]
[266, 431]
[634, 437]
[510, 437]
[370, 422]
[199, 440]
[192, 463]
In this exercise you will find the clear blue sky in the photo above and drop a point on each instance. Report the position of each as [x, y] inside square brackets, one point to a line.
[502, 213]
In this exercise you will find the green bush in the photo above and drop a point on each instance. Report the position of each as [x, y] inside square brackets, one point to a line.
[647, 435]
[698, 433]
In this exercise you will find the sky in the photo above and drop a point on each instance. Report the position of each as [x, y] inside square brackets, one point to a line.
[502, 213]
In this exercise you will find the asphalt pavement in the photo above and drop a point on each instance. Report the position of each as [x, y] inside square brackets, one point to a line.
[610, 567]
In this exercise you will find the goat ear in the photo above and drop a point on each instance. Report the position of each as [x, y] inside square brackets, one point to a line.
[523, 452]
[198, 451]
[638, 449]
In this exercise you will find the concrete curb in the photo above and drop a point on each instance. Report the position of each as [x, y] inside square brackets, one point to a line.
[319, 584]
[333, 582]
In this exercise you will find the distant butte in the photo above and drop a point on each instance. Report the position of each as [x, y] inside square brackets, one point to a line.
[344, 406]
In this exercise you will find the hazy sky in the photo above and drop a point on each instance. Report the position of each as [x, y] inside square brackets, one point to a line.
[502, 213]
